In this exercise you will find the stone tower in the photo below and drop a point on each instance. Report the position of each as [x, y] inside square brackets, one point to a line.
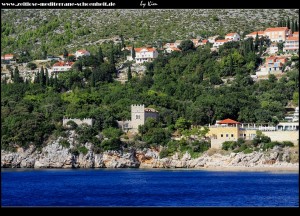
[137, 116]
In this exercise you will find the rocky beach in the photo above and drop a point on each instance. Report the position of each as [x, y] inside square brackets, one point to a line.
[56, 156]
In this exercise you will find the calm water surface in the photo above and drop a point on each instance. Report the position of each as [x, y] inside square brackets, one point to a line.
[137, 187]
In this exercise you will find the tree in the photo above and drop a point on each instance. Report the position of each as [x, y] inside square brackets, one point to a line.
[256, 43]
[186, 45]
[112, 56]
[42, 76]
[182, 124]
[17, 78]
[293, 26]
[93, 83]
[65, 54]
[129, 74]
[288, 24]
[31, 66]
[47, 77]
[100, 56]
[71, 58]
[133, 52]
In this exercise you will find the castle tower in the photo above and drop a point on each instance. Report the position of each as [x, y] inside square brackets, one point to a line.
[137, 116]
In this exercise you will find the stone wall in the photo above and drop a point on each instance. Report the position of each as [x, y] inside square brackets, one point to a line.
[280, 136]
[87, 121]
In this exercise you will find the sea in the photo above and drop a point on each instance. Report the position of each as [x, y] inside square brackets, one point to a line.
[147, 188]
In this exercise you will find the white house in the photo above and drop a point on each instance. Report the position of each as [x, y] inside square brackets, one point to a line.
[219, 43]
[233, 36]
[62, 66]
[144, 54]
[7, 57]
[177, 43]
[273, 48]
[291, 44]
[80, 53]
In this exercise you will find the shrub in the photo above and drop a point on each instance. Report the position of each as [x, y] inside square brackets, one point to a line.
[163, 153]
[227, 145]
[287, 143]
[248, 151]
[64, 143]
[83, 150]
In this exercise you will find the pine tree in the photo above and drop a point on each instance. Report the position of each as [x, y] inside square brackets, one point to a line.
[100, 55]
[129, 74]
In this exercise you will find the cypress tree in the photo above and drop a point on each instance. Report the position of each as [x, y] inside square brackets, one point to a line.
[100, 55]
[93, 82]
[293, 26]
[256, 42]
[129, 74]
[288, 24]
[112, 57]
[17, 78]
[65, 54]
[261, 49]
[47, 77]
[296, 26]
[42, 76]
[133, 52]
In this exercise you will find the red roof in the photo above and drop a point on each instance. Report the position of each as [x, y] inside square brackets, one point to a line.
[257, 32]
[204, 41]
[151, 49]
[82, 51]
[61, 64]
[228, 121]
[293, 39]
[276, 29]
[231, 34]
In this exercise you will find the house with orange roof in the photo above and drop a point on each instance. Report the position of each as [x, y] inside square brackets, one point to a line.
[7, 57]
[233, 36]
[177, 43]
[212, 39]
[231, 130]
[253, 34]
[273, 65]
[144, 54]
[196, 42]
[62, 66]
[169, 45]
[219, 43]
[278, 34]
[203, 42]
[82, 52]
[291, 44]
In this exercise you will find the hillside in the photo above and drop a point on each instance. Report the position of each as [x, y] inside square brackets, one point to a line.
[34, 30]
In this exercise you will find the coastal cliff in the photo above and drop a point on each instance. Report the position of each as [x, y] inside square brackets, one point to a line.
[56, 156]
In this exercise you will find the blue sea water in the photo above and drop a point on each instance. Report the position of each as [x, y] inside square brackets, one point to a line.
[138, 187]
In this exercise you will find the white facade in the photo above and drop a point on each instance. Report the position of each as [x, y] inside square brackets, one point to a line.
[212, 39]
[219, 43]
[291, 44]
[62, 66]
[278, 34]
[80, 53]
[273, 49]
[233, 37]
[145, 54]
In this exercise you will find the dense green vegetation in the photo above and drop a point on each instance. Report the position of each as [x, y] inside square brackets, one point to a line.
[183, 87]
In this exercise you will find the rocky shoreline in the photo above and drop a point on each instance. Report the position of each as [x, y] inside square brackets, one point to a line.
[56, 156]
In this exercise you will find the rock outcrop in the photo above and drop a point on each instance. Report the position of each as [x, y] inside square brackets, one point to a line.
[56, 156]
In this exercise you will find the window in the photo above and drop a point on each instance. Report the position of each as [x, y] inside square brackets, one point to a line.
[244, 135]
[137, 117]
[221, 135]
[226, 135]
[231, 135]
